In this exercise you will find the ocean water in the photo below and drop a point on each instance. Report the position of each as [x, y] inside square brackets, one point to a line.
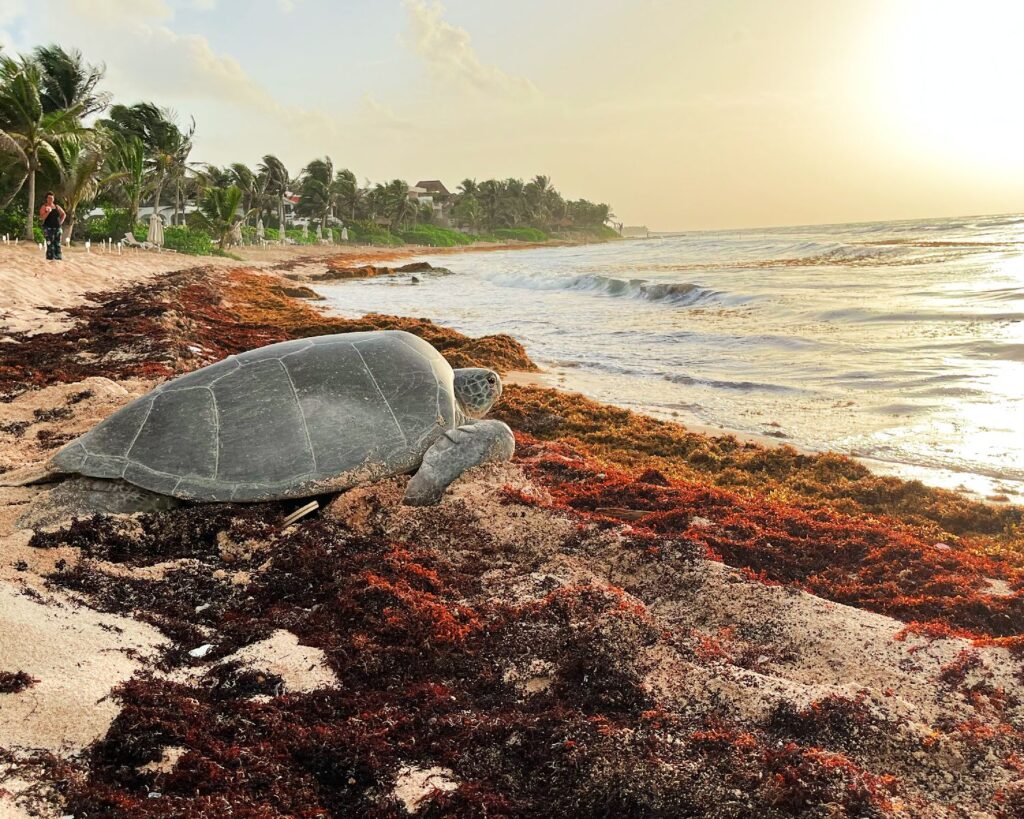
[901, 343]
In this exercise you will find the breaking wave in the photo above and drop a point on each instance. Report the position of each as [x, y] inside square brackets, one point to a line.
[680, 294]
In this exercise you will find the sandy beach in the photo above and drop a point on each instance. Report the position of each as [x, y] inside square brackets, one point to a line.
[630, 618]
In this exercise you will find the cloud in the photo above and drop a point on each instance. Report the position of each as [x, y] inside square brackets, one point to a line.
[186, 65]
[11, 10]
[450, 56]
[381, 115]
[115, 10]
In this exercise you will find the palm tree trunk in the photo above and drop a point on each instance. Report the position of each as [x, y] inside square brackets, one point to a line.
[30, 221]
[159, 190]
[69, 226]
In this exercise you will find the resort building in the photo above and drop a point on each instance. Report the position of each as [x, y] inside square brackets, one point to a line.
[433, 192]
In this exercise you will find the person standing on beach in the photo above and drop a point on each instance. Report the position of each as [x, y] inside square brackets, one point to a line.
[52, 216]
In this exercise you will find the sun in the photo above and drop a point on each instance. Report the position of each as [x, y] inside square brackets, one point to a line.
[949, 75]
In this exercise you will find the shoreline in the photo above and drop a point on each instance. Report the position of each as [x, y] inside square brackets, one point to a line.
[642, 600]
[989, 489]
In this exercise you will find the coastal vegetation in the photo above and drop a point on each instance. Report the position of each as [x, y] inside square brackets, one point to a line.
[107, 161]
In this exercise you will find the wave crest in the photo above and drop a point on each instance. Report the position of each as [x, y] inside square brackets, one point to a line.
[681, 294]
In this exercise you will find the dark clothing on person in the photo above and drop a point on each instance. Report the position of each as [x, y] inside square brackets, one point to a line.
[52, 231]
[53, 236]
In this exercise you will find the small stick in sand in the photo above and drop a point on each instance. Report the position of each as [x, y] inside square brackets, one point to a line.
[312, 506]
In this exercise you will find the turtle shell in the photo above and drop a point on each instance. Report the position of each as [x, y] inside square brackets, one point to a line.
[284, 421]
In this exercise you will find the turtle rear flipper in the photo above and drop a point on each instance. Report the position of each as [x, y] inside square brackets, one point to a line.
[453, 453]
[80, 497]
[45, 472]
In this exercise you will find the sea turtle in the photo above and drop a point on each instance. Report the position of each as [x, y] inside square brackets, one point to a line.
[290, 420]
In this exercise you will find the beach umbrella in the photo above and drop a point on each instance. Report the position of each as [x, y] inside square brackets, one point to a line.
[155, 235]
[344, 234]
[260, 232]
[319, 233]
[305, 231]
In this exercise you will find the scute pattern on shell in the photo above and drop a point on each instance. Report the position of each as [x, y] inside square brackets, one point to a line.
[280, 421]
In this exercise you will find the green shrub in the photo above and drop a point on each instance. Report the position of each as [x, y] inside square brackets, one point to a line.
[188, 240]
[435, 236]
[37, 234]
[369, 233]
[295, 234]
[520, 234]
[12, 221]
[113, 224]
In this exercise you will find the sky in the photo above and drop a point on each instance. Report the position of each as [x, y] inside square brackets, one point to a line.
[680, 114]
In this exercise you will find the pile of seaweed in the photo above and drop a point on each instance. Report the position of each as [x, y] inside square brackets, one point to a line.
[188, 319]
[460, 651]
[626, 439]
[339, 270]
[456, 650]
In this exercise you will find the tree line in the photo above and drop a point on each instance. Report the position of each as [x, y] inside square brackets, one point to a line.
[59, 130]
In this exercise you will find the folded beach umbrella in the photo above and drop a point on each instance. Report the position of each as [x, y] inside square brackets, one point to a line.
[319, 233]
[156, 230]
[305, 231]
[260, 232]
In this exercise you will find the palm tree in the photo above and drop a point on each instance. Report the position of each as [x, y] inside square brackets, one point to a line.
[167, 146]
[347, 193]
[66, 81]
[513, 201]
[318, 194]
[397, 202]
[466, 212]
[220, 208]
[169, 156]
[127, 158]
[277, 184]
[265, 201]
[27, 131]
[538, 195]
[242, 176]
[84, 175]
[490, 195]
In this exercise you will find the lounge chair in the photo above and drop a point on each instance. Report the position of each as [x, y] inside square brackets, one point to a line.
[129, 240]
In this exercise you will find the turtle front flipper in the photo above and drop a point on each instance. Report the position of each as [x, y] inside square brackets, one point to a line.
[453, 453]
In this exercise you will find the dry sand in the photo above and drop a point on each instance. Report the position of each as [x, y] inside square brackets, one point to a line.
[34, 291]
[32, 287]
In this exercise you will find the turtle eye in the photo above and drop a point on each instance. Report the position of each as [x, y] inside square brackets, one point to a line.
[490, 379]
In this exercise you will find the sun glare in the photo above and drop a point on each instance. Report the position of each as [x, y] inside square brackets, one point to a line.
[950, 75]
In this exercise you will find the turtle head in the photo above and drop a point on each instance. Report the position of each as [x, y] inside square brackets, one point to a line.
[476, 390]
